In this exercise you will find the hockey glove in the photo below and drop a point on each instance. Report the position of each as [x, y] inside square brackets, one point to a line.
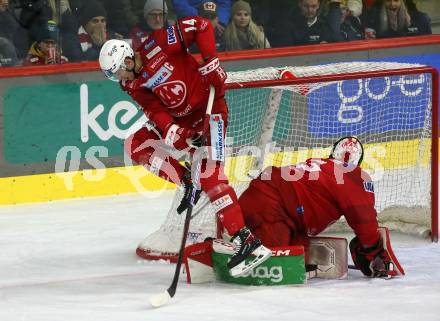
[373, 261]
[181, 138]
[213, 73]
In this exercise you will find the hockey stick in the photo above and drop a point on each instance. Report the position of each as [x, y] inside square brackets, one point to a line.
[163, 298]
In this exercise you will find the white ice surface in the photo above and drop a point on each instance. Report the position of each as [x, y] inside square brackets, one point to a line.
[75, 260]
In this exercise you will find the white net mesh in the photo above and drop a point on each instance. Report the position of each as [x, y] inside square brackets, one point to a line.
[280, 125]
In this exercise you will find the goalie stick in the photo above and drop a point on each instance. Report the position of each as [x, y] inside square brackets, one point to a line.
[160, 299]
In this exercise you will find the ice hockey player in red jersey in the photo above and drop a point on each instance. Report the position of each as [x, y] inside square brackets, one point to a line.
[172, 88]
[286, 205]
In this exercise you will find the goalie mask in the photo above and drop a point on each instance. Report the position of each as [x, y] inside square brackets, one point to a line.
[112, 57]
[348, 150]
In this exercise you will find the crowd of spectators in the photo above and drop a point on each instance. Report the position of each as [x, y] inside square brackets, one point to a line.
[37, 32]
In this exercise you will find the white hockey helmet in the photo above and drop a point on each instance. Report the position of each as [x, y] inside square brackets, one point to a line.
[348, 150]
[112, 57]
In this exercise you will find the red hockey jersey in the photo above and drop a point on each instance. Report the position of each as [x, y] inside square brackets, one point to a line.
[318, 192]
[169, 87]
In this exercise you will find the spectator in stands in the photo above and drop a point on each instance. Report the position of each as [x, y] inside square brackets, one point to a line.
[208, 10]
[274, 17]
[76, 7]
[91, 34]
[45, 50]
[8, 54]
[392, 18]
[32, 14]
[26, 15]
[343, 19]
[137, 8]
[14, 37]
[354, 7]
[367, 4]
[154, 18]
[8, 24]
[304, 26]
[184, 8]
[120, 17]
[242, 33]
[420, 21]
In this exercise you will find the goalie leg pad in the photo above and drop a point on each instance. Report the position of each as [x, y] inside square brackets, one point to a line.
[207, 261]
[284, 266]
[198, 263]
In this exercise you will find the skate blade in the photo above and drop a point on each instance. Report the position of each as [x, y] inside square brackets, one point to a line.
[261, 254]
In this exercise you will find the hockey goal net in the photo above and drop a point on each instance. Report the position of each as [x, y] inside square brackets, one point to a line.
[391, 107]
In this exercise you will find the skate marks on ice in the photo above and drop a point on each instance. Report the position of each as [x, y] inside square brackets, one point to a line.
[74, 260]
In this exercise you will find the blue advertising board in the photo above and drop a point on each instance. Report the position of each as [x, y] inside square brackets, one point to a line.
[353, 106]
[350, 107]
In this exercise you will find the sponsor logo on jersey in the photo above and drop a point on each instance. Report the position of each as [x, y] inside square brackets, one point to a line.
[369, 187]
[156, 62]
[274, 273]
[222, 202]
[149, 44]
[171, 35]
[184, 112]
[172, 93]
[154, 52]
[159, 77]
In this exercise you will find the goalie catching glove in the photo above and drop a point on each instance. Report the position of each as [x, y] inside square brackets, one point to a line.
[182, 138]
[377, 260]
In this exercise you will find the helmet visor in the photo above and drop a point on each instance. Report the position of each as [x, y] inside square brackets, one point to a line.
[113, 76]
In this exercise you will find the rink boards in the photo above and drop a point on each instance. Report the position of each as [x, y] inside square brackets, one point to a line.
[136, 179]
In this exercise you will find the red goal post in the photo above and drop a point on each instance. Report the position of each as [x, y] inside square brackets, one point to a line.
[391, 107]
